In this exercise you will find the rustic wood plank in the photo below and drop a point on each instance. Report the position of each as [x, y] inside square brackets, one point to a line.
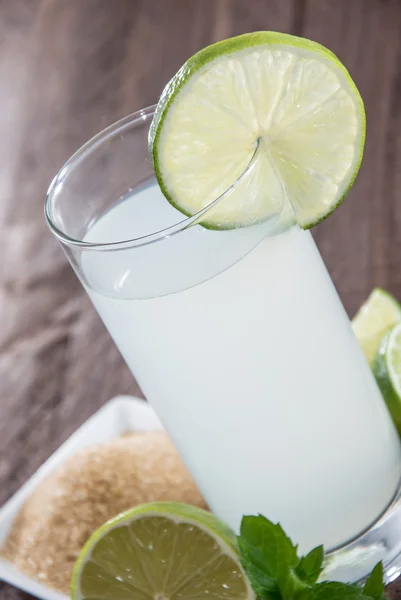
[67, 69]
[358, 241]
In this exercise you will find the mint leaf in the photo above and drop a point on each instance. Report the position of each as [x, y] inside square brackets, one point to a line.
[374, 586]
[310, 566]
[264, 584]
[268, 556]
[332, 590]
[268, 545]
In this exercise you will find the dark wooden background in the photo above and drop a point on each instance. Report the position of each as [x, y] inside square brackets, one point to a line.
[68, 68]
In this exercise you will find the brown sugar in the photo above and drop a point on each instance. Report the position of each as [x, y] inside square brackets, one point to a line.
[91, 487]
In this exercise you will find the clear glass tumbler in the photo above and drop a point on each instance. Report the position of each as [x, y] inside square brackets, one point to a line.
[241, 344]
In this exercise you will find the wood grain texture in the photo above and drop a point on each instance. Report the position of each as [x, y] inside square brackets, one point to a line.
[69, 68]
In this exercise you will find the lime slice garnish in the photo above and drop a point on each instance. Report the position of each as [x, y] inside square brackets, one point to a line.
[287, 96]
[387, 370]
[161, 551]
[377, 315]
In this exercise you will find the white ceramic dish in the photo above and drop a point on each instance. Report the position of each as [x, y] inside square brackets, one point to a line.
[123, 413]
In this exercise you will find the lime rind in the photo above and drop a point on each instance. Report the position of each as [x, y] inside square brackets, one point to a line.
[387, 371]
[393, 358]
[234, 45]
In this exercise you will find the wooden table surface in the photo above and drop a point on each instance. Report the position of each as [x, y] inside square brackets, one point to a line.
[68, 68]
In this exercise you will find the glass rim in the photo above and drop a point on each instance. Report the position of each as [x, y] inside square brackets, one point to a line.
[97, 140]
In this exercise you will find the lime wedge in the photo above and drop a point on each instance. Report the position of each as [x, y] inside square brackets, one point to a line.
[161, 551]
[285, 101]
[387, 370]
[376, 316]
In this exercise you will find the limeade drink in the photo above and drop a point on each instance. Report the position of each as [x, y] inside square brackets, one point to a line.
[188, 225]
[254, 371]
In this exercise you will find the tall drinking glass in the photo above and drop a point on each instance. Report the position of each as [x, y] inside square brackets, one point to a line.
[240, 343]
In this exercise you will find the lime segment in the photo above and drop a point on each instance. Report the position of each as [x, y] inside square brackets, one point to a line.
[387, 370]
[290, 98]
[377, 315]
[161, 551]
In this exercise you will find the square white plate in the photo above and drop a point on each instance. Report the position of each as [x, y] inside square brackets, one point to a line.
[123, 413]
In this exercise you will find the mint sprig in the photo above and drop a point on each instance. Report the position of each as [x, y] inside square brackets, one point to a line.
[276, 572]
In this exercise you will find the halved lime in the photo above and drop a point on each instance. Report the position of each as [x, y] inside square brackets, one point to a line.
[286, 98]
[161, 551]
[387, 370]
[377, 315]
